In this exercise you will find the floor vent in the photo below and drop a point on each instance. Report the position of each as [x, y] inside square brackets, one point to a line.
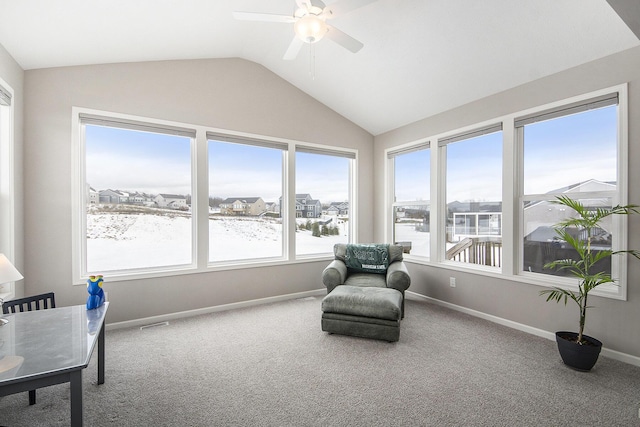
[154, 325]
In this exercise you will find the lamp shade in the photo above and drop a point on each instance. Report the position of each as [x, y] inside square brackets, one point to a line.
[310, 28]
[8, 272]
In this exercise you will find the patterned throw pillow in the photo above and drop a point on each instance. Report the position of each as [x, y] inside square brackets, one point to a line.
[368, 258]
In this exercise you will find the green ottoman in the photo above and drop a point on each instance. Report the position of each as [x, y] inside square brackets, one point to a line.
[368, 312]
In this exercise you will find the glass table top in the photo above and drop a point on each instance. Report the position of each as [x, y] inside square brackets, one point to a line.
[47, 341]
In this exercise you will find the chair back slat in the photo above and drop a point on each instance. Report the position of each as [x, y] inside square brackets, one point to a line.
[37, 302]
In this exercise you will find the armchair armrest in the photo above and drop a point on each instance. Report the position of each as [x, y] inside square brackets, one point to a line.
[398, 276]
[334, 274]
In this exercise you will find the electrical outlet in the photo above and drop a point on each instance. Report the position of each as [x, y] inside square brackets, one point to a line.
[452, 282]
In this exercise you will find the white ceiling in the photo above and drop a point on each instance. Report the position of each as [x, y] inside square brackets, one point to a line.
[420, 57]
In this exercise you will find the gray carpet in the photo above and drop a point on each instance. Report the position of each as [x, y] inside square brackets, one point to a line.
[271, 365]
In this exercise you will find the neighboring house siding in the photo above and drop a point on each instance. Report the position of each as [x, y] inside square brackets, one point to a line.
[250, 206]
[171, 201]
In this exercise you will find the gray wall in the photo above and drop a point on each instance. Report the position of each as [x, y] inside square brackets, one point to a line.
[613, 322]
[231, 94]
[11, 73]
[238, 95]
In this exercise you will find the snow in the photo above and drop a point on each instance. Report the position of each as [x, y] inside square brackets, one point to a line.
[125, 239]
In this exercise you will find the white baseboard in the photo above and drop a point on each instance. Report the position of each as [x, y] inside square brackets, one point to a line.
[182, 314]
[613, 354]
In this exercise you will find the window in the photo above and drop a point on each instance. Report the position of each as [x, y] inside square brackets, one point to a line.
[411, 200]
[322, 200]
[137, 203]
[245, 193]
[493, 188]
[473, 230]
[572, 151]
[6, 182]
[153, 198]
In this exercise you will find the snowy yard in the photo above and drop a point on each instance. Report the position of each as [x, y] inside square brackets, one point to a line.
[132, 240]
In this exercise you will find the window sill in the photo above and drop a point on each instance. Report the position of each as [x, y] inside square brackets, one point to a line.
[605, 291]
[211, 268]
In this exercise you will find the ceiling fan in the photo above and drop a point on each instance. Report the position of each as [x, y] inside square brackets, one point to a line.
[310, 23]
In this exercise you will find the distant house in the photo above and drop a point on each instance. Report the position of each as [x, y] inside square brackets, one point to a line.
[337, 208]
[92, 195]
[250, 206]
[138, 198]
[272, 207]
[307, 207]
[546, 212]
[171, 201]
[113, 197]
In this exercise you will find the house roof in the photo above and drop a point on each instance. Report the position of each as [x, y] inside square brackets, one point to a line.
[242, 199]
[419, 58]
[172, 196]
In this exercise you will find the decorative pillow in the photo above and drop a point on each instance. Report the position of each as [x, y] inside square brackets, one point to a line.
[367, 258]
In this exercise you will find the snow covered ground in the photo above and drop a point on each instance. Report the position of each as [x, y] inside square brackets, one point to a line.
[131, 240]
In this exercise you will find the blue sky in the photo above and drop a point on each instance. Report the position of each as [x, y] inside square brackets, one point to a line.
[570, 150]
[137, 161]
[156, 163]
[557, 153]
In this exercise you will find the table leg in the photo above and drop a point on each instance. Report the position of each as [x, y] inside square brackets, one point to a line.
[101, 355]
[75, 379]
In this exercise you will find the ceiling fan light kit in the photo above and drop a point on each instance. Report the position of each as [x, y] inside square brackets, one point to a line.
[310, 28]
[310, 23]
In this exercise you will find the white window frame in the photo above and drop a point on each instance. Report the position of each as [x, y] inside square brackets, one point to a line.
[249, 141]
[7, 183]
[79, 194]
[466, 133]
[512, 191]
[200, 211]
[309, 148]
[390, 155]
[619, 196]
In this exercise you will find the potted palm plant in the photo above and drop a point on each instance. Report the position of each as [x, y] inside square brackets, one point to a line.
[578, 350]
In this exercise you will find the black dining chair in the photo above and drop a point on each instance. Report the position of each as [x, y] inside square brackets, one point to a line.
[35, 302]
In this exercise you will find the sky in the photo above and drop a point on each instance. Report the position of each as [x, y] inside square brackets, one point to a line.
[152, 163]
[558, 153]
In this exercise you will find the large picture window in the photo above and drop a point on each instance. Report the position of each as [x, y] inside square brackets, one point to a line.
[573, 152]
[245, 189]
[322, 200]
[138, 196]
[412, 201]
[7, 192]
[473, 230]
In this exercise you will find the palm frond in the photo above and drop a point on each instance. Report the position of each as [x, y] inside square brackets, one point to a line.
[586, 221]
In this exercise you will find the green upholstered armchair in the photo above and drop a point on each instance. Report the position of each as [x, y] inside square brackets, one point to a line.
[382, 270]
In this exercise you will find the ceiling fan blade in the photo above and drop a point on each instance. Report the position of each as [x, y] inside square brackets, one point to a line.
[303, 3]
[263, 17]
[307, 4]
[343, 39]
[342, 7]
[294, 48]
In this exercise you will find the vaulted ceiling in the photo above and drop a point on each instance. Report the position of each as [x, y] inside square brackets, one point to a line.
[420, 57]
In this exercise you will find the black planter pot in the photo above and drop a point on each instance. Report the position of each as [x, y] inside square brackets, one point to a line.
[581, 357]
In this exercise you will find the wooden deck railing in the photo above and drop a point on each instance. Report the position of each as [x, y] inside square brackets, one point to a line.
[477, 250]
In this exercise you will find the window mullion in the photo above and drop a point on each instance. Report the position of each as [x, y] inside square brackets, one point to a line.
[201, 194]
[509, 197]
